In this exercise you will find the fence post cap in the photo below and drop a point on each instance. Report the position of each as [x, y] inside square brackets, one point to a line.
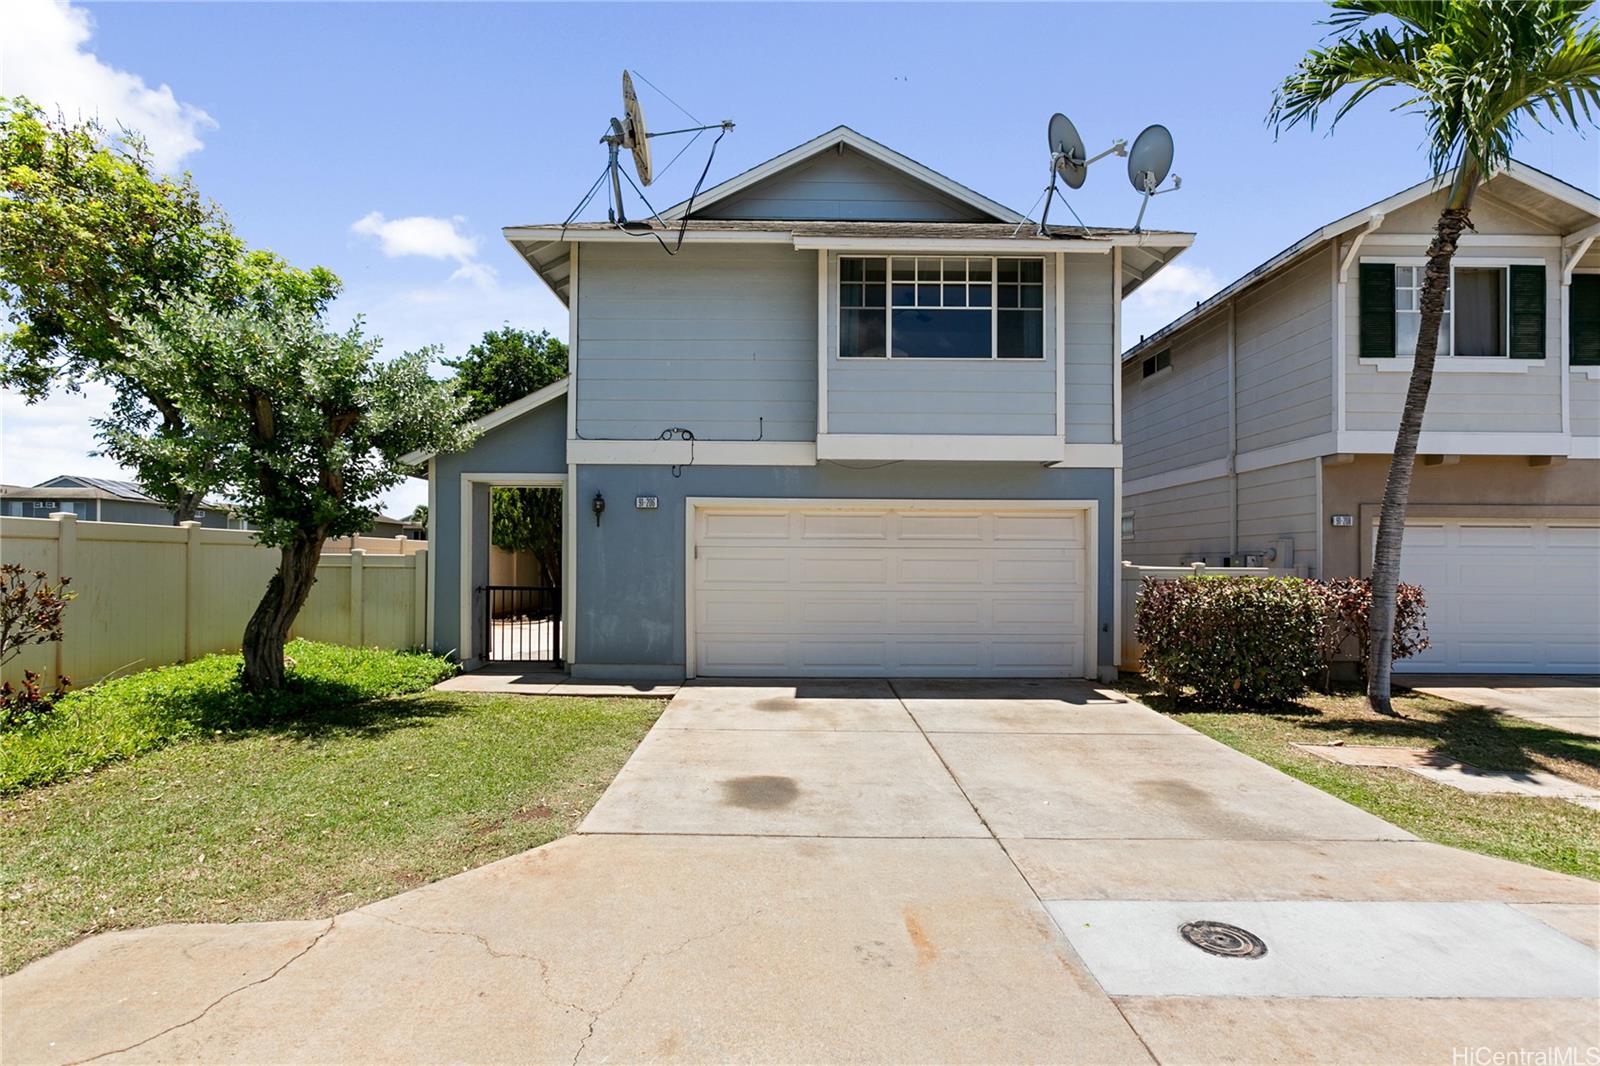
[1197, 567]
[190, 524]
[64, 516]
[358, 551]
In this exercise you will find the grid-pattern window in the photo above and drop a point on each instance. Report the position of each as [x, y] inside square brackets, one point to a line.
[941, 307]
[1408, 312]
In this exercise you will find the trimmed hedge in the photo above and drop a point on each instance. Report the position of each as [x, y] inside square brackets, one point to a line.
[1253, 641]
[1244, 641]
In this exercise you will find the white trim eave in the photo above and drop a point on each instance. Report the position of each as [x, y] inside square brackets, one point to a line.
[966, 448]
[1552, 187]
[1381, 442]
[616, 236]
[500, 416]
[691, 453]
[1098, 245]
[844, 135]
[1171, 479]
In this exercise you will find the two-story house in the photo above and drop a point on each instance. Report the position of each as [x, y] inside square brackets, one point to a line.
[863, 421]
[1260, 424]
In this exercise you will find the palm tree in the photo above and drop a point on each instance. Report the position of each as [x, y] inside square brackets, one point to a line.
[1475, 70]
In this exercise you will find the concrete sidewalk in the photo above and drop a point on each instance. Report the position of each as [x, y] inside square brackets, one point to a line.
[1569, 702]
[859, 871]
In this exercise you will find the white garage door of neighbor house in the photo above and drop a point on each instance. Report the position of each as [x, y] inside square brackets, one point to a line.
[859, 591]
[1506, 597]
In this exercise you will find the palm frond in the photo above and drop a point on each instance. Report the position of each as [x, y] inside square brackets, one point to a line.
[1475, 70]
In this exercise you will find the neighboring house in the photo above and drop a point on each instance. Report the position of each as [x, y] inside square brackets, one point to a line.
[1259, 425]
[98, 499]
[864, 422]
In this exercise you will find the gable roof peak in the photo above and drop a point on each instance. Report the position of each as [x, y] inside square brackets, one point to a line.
[875, 150]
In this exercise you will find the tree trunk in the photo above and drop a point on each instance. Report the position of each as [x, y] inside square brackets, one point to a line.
[187, 506]
[1397, 490]
[268, 629]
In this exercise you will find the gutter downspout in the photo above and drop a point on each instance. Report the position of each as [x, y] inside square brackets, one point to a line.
[1233, 435]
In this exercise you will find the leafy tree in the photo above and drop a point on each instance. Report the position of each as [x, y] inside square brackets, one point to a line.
[1475, 71]
[419, 514]
[303, 428]
[505, 366]
[91, 238]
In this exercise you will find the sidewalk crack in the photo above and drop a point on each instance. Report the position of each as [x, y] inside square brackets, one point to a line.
[296, 957]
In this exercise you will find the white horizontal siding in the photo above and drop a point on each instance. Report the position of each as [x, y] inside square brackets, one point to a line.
[1280, 502]
[1176, 525]
[1179, 417]
[1284, 346]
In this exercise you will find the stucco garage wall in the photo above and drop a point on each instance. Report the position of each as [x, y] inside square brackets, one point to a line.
[631, 568]
[1477, 486]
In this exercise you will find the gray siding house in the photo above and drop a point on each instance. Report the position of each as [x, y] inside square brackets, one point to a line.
[98, 499]
[1259, 425]
[863, 422]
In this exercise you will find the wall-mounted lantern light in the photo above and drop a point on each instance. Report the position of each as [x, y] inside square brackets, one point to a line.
[598, 506]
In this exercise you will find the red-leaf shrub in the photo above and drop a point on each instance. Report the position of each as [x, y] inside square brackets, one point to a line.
[31, 610]
[1349, 604]
[1242, 641]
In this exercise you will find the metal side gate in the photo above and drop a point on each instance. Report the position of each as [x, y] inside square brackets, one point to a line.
[522, 623]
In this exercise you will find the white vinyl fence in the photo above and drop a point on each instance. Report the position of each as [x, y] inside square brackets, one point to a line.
[151, 595]
[1128, 647]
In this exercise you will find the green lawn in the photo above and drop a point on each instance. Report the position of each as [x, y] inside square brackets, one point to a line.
[1542, 832]
[350, 801]
[128, 716]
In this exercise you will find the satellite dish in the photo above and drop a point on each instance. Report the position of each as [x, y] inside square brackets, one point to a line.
[636, 137]
[1070, 162]
[1150, 159]
[1067, 152]
[629, 132]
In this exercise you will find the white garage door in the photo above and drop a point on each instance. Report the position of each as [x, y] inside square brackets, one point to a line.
[1506, 597]
[858, 591]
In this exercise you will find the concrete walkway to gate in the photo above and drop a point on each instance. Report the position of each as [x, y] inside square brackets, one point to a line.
[910, 872]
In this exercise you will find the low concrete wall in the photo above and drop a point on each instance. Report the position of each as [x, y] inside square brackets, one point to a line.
[152, 595]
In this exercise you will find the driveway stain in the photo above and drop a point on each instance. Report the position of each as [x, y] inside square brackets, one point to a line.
[927, 951]
[777, 704]
[760, 792]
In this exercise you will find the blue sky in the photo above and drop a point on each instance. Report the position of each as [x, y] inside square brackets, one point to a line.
[391, 142]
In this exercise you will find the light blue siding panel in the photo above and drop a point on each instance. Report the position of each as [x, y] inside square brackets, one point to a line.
[631, 568]
[843, 185]
[719, 339]
[1091, 356]
[1004, 397]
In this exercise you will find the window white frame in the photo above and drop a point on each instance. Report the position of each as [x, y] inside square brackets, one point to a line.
[1487, 362]
[889, 307]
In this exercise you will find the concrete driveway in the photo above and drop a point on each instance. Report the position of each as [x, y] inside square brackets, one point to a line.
[1570, 702]
[858, 871]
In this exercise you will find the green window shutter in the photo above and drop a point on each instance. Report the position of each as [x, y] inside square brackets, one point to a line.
[1527, 312]
[1584, 313]
[1376, 293]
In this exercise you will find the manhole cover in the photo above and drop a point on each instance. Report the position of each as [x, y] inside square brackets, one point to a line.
[1220, 938]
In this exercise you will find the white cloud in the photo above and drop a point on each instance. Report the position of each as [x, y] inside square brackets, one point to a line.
[1164, 297]
[44, 54]
[430, 238]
